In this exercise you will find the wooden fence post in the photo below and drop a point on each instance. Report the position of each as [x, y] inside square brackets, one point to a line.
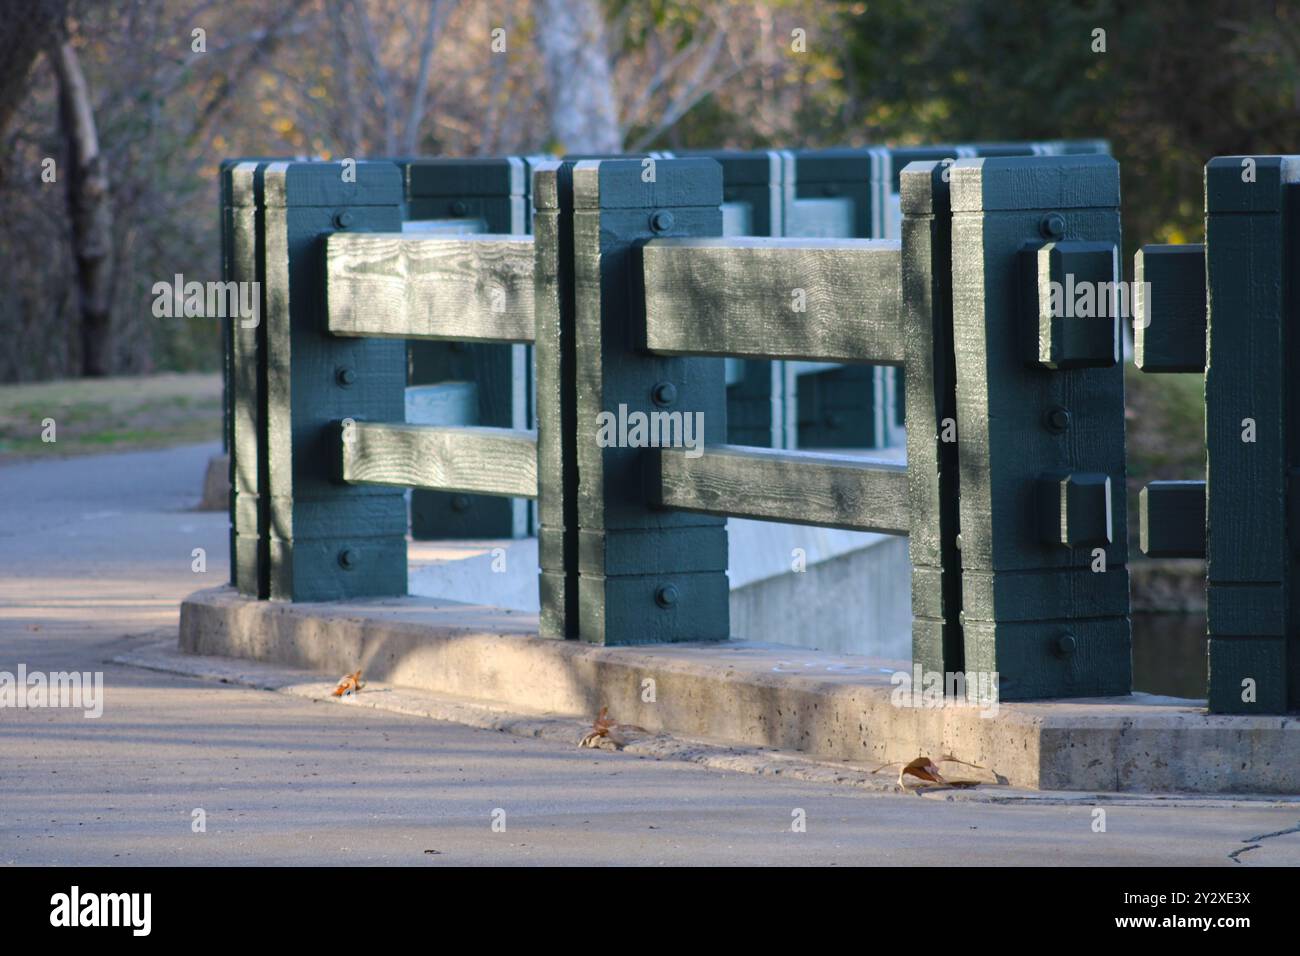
[482, 195]
[557, 429]
[242, 215]
[328, 540]
[1252, 424]
[645, 575]
[932, 418]
[1040, 426]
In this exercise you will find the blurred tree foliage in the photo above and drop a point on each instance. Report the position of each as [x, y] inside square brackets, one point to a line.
[1179, 82]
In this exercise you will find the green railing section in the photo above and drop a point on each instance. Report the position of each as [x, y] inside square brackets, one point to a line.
[1228, 308]
[641, 275]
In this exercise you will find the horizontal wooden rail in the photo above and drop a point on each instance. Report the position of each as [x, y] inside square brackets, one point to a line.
[411, 286]
[835, 491]
[481, 461]
[823, 300]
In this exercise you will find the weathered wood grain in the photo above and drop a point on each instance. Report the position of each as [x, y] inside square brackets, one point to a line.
[758, 188]
[815, 299]
[466, 288]
[834, 491]
[854, 406]
[487, 461]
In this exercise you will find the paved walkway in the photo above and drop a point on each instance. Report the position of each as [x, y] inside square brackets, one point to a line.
[95, 554]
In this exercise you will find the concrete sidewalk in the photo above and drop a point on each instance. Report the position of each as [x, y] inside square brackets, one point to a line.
[95, 556]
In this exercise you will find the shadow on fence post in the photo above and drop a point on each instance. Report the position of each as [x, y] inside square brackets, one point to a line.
[328, 540]
[645, 575]
[241, 189]
[1040, 426]
[932, 419]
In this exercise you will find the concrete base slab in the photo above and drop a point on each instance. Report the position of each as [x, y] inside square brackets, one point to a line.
[830, 706]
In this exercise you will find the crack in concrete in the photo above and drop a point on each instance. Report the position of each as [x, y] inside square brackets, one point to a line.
[1235, 855]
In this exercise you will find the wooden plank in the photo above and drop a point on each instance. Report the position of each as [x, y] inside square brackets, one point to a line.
[834, 491]
[1017, 422]
[814, 299]
[483, 195]
[636, 601]
[848, 407]
[1172, 519]
[1251, 426]
[471, 460]
[329, 541]
[760, 407]
[1169, 324]
[466, 288]
[937, 643]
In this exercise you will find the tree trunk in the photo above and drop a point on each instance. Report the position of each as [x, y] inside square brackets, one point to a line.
[580, 87]
[86, 181]
[28, 28]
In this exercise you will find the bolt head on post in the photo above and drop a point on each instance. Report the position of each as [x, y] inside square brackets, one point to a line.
[661, 221]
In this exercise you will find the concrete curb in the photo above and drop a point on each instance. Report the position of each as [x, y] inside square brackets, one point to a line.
[826, 706]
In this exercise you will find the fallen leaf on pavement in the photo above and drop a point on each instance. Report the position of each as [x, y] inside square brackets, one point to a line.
[348, 684]
[607, 734]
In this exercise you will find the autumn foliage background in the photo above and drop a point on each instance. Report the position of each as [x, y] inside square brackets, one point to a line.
[1178, 82]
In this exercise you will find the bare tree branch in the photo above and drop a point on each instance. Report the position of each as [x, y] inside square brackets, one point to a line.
[432, 29]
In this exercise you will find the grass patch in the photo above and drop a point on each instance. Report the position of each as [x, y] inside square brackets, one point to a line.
[109, 414]
[1165, 425]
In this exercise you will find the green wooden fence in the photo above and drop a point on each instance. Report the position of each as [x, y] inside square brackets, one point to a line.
[1228, 308]
[635, 287]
